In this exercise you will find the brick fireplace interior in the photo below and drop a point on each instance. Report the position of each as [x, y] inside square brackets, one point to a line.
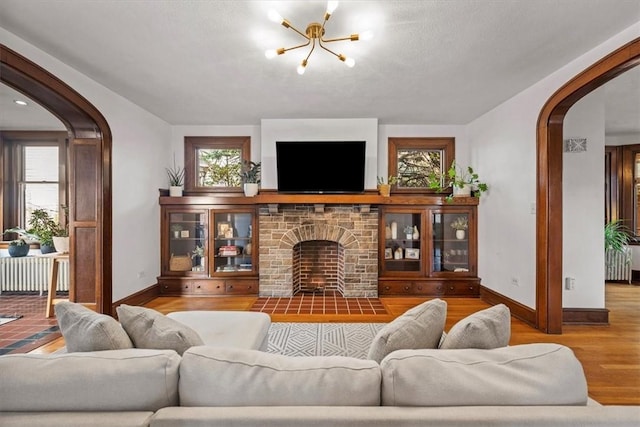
[318, 265]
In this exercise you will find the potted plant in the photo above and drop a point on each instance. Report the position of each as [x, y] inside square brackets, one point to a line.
[176, 228]
[616, 236]
[44, 230]
[198, 255]
[384, 188]
[460, 224]
[408, 231]
[176, 180]
[250, 176]
[461, 180]
[18, 248]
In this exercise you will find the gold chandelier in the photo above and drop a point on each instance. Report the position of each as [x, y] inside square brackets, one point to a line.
[314, 33]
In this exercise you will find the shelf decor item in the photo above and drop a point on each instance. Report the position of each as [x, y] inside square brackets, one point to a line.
[461, 180]
[250, 175]
[408, 231]
[416, 233]
[180, 263]
[412, 253]
[398, 253]
[384, 188]
[460, 224]
[176, 228]
[394, 230]
[176, 180]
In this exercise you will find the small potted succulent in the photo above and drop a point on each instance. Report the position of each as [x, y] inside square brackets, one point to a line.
[384, 188]
[250, 176]
[176, 180]
[408, 231]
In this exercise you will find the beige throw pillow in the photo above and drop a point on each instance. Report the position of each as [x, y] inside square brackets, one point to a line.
[151, 329]
[489, 328]
[86, 330]
[420, 327]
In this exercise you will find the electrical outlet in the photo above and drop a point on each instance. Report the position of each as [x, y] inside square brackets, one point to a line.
[569, 283]
[532, 208]
[515, 281]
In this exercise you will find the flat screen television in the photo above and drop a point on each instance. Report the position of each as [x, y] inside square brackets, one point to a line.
[321, 167]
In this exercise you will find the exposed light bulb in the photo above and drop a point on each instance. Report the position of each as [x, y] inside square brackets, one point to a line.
[350, 62]
[275, 16]
[302, 67]
[271, 53]
[365, 35]
[20, 102]
[331, 6]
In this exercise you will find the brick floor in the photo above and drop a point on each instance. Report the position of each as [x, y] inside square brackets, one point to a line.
[329, 302]
[32, 330]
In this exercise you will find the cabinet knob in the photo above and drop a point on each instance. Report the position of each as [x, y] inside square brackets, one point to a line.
[218, 287]
[386, 288]
[451, 287]
[406, 288]
[198, 286]
[166, 286]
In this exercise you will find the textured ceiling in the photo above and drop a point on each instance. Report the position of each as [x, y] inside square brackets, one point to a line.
[430, 62]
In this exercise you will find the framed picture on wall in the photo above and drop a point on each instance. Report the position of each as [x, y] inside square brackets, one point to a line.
[223, 229]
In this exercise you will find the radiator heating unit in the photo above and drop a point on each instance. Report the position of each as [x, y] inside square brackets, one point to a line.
[31, 274]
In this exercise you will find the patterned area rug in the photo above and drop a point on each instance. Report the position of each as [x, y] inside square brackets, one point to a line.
[6, 318]
[322, 339]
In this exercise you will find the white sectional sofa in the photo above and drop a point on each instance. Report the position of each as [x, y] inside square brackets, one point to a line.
[525, 385]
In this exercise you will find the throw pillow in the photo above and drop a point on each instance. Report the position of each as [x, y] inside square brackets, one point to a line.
[419, 327]
[151, 329]
[86, 330]
[489, 328]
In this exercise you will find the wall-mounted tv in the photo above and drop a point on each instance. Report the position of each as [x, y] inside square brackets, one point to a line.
[322, 167]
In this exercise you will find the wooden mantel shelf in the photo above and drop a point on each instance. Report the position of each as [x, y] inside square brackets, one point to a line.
[272, 198]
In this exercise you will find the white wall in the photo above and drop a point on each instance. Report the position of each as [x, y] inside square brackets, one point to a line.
[503, 148]
[273, 130]
[628, 139]
[583, 204]
[140, 155]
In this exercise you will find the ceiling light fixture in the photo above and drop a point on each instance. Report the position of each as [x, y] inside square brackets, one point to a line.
[313, 33]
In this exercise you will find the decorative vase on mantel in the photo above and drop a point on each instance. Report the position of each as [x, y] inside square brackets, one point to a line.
[250, 189]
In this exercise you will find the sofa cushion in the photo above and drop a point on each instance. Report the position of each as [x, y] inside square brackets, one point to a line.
[86, 330]
[151, 329]
[529, 374]
[114, 380]
[419, 327]
[489, 328]
[217, 376]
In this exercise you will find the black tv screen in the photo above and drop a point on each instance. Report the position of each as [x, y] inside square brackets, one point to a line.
[320, 166]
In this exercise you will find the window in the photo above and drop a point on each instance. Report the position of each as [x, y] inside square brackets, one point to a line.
[34, 176]
[214, 163]
[413, 159]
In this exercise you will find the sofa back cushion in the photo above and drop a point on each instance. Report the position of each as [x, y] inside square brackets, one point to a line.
[113, 380]
[419, 327]
[529, 374]
[218, 376]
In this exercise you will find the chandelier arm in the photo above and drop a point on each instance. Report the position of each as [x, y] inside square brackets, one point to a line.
[296, 47]
[330, 51]
[298, 31]
[313, 46]
[352, 37]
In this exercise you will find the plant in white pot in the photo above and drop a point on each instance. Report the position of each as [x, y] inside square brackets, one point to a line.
[176, 180]
[461, 180]
[250, 175]
[460, 224]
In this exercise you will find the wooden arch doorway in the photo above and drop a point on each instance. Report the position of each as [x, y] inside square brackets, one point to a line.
[89, 174]
[549, 179]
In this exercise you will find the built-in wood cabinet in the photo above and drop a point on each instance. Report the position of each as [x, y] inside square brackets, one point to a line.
[207, 250]
[429, 250]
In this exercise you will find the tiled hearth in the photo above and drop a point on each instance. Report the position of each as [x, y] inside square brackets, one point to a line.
[354, 232]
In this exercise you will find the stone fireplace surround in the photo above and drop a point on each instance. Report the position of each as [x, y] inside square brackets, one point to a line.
[355, 232]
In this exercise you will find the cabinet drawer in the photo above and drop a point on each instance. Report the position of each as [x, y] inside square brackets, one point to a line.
[395, 288]
[208, 287]
[175, 287]
[428, 288]
[242, 287]
[462, 289]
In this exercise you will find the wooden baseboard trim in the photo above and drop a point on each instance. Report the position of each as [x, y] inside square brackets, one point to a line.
[139, 298]
[585, 316]
[522, 312]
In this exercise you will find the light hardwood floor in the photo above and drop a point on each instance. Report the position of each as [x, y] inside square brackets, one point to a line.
[610, 354]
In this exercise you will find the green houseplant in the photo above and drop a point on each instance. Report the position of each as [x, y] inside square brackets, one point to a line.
[43, 229]
[616, 236]
[460, 180]
[250, 176]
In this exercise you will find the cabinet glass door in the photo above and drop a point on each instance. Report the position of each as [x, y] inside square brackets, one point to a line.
[187, 241]
[402, 249]
[233, 242]
[451, 252]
